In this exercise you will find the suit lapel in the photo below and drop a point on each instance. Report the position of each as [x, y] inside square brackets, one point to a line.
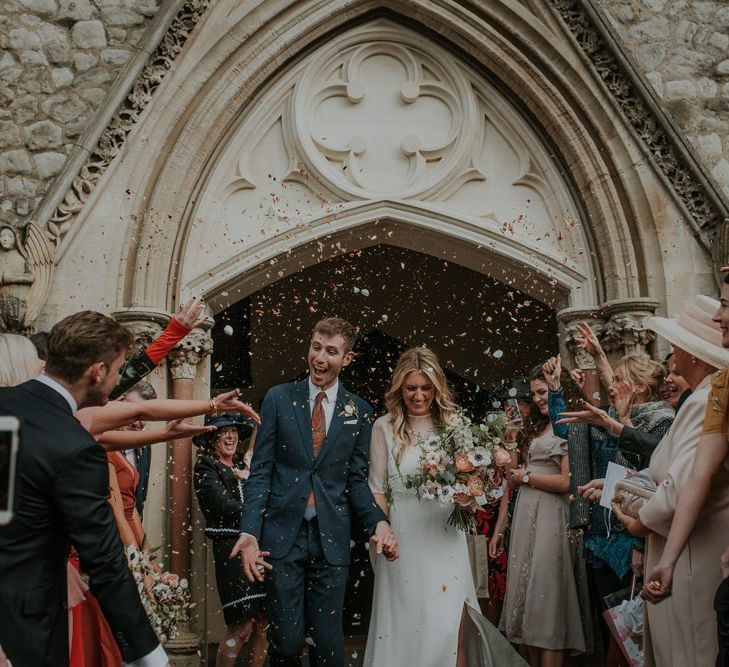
[337, 422]
[302, 411]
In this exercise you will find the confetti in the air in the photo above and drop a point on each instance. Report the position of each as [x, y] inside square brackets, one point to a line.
[228, 330]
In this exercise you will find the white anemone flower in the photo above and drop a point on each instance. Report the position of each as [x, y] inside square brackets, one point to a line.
[479, 456]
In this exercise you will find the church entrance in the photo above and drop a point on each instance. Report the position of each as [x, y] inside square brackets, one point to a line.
[485, 332]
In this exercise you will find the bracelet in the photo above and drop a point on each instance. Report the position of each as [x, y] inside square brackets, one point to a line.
[213, 408]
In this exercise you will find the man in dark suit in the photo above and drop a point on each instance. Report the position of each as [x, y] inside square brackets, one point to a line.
[309, 469]
[63, 502]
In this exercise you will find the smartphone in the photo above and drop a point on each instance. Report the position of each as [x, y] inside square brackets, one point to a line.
[511, 406]
[9, 444]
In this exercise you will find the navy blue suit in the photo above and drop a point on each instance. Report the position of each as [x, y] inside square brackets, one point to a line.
[310, 558]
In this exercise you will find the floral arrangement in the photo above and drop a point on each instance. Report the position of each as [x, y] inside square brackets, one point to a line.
[462, 466]
[165, 597]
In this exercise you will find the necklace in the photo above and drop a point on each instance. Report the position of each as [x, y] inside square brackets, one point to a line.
[418, 416]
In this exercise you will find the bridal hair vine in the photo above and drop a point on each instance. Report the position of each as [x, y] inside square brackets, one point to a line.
[350, 410]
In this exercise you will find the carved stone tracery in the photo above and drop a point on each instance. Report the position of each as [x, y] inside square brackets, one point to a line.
[705, 207]
[185, 357]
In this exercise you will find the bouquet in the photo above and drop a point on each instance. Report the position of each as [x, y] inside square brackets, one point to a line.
[166, 597]
[462, 466]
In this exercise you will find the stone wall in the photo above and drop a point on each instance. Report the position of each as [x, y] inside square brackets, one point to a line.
[58, 60]
[682, 47]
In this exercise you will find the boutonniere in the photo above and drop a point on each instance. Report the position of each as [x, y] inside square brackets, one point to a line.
[350, 410]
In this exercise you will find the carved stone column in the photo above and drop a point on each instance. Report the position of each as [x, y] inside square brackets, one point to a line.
[624, 332]
[183, 362]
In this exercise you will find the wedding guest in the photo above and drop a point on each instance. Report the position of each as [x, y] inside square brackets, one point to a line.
[62, 501]
[612, 554]
[683, 556]
[678, 388]
[19, 360]
[541, 609]
[220, 475]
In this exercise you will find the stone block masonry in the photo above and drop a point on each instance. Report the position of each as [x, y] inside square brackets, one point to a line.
[58, 60]
[682, 47]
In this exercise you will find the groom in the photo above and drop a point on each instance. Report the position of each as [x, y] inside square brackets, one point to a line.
[309, 469]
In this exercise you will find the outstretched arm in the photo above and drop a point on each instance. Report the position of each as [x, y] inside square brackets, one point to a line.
[119, 413]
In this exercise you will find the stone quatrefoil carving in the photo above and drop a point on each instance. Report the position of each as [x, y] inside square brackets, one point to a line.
[382, 118]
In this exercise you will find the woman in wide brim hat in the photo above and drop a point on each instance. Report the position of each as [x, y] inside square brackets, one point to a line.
[682, 629]
[220, 475]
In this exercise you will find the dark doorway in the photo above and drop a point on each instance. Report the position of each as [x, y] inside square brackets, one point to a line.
[484, 331]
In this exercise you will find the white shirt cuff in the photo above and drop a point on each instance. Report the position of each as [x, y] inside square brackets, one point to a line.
[157, 658]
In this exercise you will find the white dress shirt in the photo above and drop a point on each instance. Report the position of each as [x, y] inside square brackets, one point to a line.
[157, 657]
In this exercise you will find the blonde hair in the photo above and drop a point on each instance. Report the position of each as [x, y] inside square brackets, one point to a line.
[419, 360]
[641, 369]
[19, 360]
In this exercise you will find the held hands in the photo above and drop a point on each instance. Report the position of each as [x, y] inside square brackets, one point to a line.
[385, 542]
[228, 402]
[552, 369]
[191, 313]
[254, 564]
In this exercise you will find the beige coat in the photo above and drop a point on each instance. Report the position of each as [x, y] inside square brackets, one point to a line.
[681, 631]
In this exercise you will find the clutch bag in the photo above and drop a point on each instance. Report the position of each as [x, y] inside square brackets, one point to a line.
[630, 494]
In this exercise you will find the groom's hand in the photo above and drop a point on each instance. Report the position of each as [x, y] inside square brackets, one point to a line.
[253, 558]
[385, 542]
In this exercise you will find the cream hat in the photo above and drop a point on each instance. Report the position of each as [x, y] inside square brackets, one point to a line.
[694, 331]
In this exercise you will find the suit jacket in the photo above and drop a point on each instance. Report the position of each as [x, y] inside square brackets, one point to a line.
[142, 462]
[62, 502]
[284, 472]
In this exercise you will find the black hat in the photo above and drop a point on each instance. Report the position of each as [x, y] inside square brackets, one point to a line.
[245, 428]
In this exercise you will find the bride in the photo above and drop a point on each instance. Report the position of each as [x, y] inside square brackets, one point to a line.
[418, 605]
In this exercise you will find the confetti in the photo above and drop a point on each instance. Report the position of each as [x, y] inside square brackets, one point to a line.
[228, 330]
[498, 354]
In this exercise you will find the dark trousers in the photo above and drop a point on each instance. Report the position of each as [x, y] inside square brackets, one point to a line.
[305, 598]
[721, 606]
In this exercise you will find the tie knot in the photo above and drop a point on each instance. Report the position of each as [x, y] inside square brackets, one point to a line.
[320, 397]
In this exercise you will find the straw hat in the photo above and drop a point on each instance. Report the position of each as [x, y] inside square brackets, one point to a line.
[694, 331]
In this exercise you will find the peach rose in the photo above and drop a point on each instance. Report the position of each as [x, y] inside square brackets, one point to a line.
[462, 463]
[430, 469]
[501, 457]
[475, 486]
[462, 499]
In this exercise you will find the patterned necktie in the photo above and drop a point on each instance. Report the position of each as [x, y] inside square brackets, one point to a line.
[318, 433]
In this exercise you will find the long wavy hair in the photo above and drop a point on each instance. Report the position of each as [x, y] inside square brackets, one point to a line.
[422, 360]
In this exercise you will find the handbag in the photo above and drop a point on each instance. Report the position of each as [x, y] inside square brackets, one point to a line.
[633, 492]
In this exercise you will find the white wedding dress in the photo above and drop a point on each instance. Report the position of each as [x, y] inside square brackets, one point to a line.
[418, 599]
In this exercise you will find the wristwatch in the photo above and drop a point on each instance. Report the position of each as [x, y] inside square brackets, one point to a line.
[525, 478]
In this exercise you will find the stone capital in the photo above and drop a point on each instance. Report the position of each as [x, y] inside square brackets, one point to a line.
[144, 323]
[188, 353]
[624, 332]
[568, 319]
